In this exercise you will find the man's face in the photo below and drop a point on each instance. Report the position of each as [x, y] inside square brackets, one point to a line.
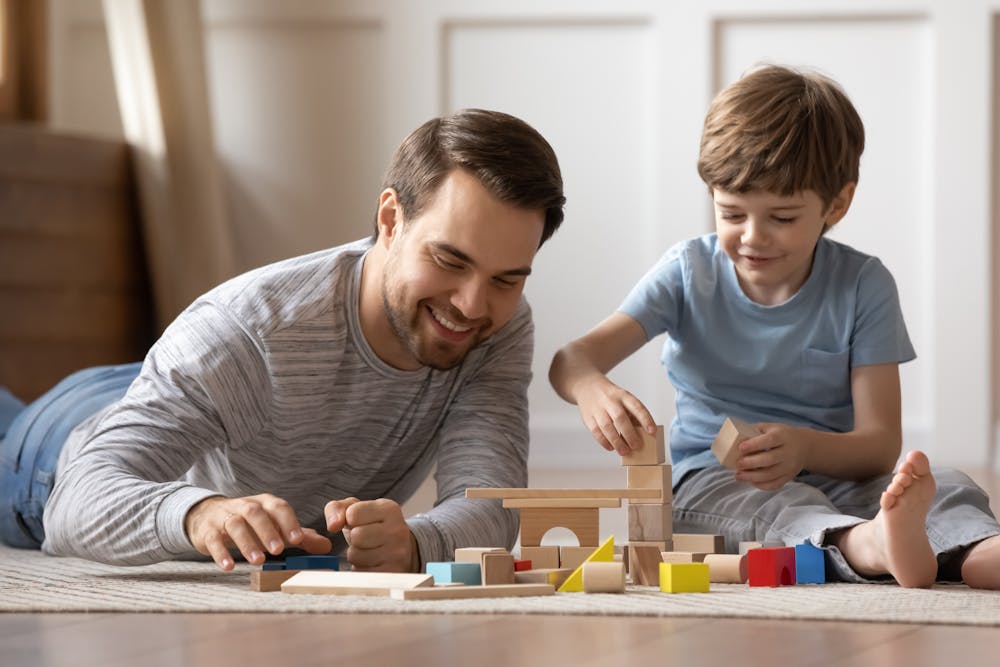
[770, 239]
[454, 274]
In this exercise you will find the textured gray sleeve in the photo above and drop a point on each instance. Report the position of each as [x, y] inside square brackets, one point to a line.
[119, 501]
[484, 442]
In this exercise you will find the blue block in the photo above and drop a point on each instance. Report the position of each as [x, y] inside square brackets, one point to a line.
[273, 565]
[312, 563]
[450, 573]
[810, 567]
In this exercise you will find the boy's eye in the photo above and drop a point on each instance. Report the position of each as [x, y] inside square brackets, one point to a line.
[731, 216]
[783, 220]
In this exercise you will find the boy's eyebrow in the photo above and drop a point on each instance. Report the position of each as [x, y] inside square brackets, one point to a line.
[783, 207]
[461, 256]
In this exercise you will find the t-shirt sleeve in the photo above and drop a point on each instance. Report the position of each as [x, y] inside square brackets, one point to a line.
[879, 335]
[657, 300]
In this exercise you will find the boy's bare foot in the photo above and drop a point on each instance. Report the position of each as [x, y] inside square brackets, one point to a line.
[895, 541]
[981, 566]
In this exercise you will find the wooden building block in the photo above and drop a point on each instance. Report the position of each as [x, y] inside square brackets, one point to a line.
[726, 568]
[520, 503]
[603, 577]
[733, 432]
[810, 564]
[321, 582]
[771, 566]
[684, 577]
[582, 522]
[327, 562]
[643, 565]
[650, 477]
[269, 581]
[573, 557]
[498, 569]
[475, 554]
[555, 576]
[466, 592]
[652, 453]
[747, 546]
[650, 523]
[470, 574]
[662, 545]
[542, 558]
[699, 543]
[682, 557]
[603, 554]
[515, 492]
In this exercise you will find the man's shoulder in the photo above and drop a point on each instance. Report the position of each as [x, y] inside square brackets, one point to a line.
[277, 295]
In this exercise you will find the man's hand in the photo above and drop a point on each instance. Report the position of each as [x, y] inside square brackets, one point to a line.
[252, 524]
[770, 460]
[378, 537]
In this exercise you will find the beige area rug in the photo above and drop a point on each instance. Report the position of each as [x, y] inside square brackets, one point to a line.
[32, 582]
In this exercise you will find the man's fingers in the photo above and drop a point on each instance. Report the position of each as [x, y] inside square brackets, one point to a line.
[215, 544]
[243, 536]
[315, 543]
[263, 528]
[282, 524]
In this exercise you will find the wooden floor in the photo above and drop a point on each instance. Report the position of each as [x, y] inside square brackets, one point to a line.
[480, 640]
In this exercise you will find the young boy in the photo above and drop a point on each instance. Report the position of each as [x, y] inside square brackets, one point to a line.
[771, 322]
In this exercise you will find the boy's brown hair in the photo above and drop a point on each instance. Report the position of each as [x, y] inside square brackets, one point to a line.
[782, 131]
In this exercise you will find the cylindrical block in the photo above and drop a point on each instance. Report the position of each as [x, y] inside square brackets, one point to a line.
[727, 568]
[604, 577]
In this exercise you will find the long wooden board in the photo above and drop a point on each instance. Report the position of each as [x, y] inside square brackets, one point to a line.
[498, 492]
[317, 582]
[562, 503]
[465, 592]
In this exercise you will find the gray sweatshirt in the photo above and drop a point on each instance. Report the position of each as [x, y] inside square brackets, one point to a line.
[267, 385]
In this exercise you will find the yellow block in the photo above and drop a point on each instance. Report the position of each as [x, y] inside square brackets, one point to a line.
[603, 554]
[684, 577]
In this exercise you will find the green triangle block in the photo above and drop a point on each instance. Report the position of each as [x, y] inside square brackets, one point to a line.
[603, 554]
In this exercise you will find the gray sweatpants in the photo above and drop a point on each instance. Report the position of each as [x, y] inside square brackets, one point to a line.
[812, 506]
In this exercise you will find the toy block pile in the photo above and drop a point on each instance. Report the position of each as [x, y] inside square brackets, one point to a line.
[650, 520]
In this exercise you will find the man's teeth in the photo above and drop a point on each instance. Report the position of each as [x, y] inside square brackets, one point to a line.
[448, 324]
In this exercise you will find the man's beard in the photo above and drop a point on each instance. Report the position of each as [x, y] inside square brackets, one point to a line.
[441, 356]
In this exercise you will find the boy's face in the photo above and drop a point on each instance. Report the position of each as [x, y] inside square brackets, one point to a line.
[454, 274]
[770, 238]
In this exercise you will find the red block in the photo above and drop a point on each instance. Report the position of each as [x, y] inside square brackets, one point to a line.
[771, 566]
[520, 565]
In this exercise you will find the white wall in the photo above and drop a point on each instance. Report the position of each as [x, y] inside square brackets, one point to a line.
[310, 98]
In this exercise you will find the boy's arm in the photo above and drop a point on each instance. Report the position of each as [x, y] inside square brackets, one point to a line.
[872, 448]
[578, 374]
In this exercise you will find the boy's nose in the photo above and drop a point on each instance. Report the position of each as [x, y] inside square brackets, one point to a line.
[753, 232]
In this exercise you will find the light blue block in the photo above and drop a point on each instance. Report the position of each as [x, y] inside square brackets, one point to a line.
[469, 574]
[810, 567]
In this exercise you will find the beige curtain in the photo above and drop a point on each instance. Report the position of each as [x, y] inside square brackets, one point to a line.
[157, 53]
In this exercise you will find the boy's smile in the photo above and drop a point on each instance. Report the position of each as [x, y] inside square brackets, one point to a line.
[770, 238]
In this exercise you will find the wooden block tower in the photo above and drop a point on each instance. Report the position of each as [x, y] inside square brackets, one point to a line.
[650, 522]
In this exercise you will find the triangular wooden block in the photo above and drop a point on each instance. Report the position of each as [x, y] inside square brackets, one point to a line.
[603, 554]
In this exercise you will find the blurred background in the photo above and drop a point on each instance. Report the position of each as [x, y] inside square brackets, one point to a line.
[151, 149]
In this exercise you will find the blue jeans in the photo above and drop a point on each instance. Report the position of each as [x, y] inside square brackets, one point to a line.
[32, 437]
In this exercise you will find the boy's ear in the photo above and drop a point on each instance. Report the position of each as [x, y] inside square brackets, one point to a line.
[840, 204]
[390, 216]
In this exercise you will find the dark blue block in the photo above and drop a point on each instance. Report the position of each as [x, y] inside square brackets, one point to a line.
[312, 563]
[273, 565]
[810, 567]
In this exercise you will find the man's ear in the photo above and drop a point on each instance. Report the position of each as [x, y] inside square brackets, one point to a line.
[390, 216]
[839, 206]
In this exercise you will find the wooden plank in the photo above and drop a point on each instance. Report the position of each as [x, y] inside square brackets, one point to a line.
[465, 592]
[318, 582]
[500, 492]
[582, 503]
[269, 581]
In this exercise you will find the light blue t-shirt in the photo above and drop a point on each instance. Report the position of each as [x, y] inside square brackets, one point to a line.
[791, 363]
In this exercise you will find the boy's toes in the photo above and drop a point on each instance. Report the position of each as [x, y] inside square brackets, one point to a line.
[887, 501]
[916, 464]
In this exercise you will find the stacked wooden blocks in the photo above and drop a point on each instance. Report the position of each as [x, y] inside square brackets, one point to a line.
[650, 520]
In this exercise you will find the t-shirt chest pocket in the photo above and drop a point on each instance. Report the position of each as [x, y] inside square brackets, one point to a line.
[825, 377]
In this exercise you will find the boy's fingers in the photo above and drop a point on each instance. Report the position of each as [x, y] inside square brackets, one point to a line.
[336, 513]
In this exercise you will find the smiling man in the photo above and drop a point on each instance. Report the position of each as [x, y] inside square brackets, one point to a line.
[314, 395]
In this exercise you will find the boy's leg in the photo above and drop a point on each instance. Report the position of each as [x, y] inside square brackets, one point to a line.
[711, 501]
[30, 451]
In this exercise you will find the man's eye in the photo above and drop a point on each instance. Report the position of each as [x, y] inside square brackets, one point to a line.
[446, 264]
[503, 282]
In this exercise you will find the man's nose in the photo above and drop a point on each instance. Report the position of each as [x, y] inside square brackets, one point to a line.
[470, 298]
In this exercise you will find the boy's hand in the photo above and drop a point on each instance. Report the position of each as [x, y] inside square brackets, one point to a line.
[377, 535]
[613, 415]
[773, 458]
[252, 524]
